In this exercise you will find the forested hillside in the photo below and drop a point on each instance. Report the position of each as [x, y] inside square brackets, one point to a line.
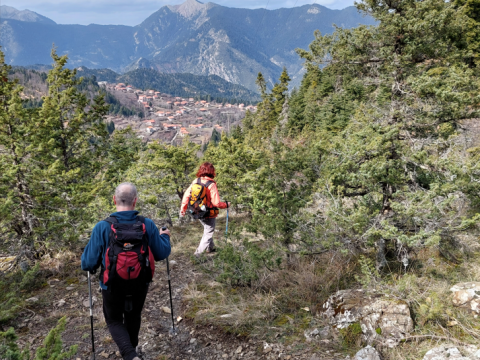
[34, 84]
[183, 85]
[193, 37]
[355, 197]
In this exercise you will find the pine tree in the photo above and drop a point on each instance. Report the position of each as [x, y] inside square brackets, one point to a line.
[397, 158]
[280, 91]
[17, 168]
[70, 142]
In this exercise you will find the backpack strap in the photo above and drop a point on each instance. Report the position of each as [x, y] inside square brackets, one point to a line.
[111, 220]
[208, 183]
[144, 258]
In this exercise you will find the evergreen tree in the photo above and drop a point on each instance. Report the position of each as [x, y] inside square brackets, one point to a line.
[397, 158]
[280, 91]
[236, 165]
[17, 168]
[69, 142]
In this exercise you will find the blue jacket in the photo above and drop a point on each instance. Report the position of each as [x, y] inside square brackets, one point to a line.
[94, 253]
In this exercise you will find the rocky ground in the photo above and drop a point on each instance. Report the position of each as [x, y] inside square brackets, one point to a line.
[382, 320]
[68, 296]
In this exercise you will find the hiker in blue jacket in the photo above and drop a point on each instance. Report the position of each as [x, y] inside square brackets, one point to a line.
[123, 313]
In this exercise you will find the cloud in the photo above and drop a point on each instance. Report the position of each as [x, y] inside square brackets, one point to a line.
[133, 12]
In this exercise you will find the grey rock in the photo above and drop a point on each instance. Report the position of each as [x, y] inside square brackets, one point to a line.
[318, 334]
[467, 295]
[32, 299]
[380, 317]
[367, 353]
[444, 352]
[86, 302]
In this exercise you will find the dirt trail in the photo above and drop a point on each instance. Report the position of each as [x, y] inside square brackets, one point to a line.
[69, 297]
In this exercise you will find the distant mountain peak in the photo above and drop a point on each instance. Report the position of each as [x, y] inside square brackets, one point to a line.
[190, 8]
[8, 12]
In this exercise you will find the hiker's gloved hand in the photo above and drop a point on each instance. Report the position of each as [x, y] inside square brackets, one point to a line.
[93, 272]
[165, 232]
[229, 204]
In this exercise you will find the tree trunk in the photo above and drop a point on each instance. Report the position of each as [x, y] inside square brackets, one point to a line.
[381, 259]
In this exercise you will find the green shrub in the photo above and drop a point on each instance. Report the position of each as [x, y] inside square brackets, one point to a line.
[369, 273]
[351, 335]
[31, 278]
[240, 265]
[52, 348]
[431, 310]
[9, 349]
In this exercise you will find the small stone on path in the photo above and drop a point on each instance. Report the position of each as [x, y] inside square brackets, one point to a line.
[367, 353]
[32, 299]
[239, 350]
[166, 310]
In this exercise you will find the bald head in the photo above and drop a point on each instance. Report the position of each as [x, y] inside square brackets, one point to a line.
[125, 196]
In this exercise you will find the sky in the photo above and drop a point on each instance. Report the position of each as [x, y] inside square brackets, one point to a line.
[133, 12]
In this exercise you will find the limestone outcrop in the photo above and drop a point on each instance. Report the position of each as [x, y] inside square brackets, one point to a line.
[382, 319]
[467, 295]
[449, 352]
[367, 353]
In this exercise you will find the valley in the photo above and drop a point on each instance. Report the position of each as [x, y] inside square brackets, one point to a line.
[202, 39]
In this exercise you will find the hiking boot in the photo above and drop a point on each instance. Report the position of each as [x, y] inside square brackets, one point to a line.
[211, 251]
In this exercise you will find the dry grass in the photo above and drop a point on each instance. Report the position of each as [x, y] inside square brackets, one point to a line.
[284, 302]
[57, 262]
[239, 312]
[280, 304]
[308, 281]
[426, 287]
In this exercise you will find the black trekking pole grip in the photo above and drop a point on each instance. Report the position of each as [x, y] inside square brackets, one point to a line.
[170, 291]
[91, 313]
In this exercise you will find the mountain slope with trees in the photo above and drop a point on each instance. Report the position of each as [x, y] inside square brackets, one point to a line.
[184, 85]
[202, 39]
[366, 178]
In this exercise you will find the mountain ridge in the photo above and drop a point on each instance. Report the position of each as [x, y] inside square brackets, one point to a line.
[9, 12]
[203, 39]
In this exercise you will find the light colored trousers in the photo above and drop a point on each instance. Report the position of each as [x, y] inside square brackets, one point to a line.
[207, 238]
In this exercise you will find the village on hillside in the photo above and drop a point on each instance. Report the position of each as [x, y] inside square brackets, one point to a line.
[170, 119]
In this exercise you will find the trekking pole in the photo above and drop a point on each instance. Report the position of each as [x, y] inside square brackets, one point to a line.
[226, 227]
[172, 330]
[91, 313]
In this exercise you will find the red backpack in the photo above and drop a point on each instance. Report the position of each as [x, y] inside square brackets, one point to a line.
[129, 262]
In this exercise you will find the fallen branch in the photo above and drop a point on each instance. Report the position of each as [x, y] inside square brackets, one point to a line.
[434, 337]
